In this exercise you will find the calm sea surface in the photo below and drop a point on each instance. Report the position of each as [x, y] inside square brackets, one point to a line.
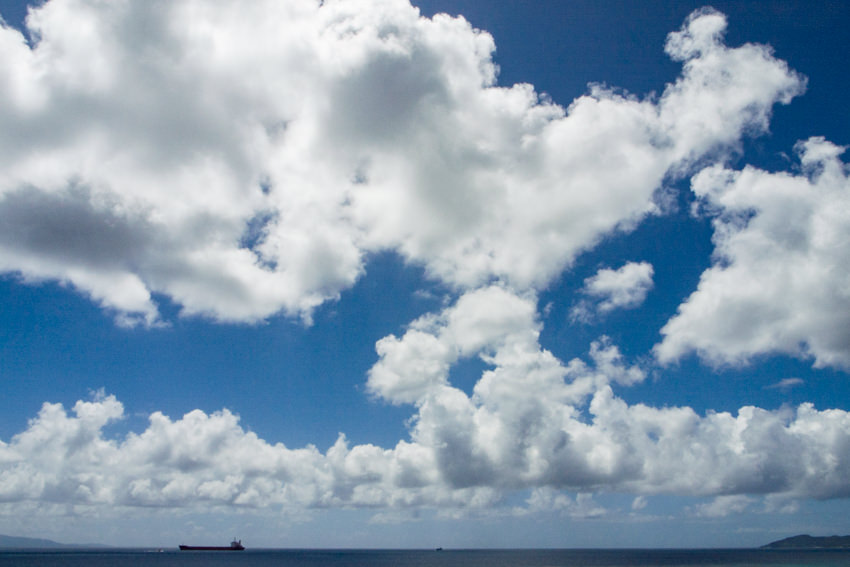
[448, 558]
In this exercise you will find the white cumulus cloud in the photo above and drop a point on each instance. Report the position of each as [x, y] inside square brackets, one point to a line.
[623, 288]
[243, 161]
[779, 282]
[531, 423]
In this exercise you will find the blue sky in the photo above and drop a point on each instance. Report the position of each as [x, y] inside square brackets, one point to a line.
[528, 274]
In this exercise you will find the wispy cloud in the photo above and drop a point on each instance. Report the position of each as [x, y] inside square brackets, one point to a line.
[787, 383]
[724, 505]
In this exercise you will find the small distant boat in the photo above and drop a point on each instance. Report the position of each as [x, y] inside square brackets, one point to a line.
[235, 545]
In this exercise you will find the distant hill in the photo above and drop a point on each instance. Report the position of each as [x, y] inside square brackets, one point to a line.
[13, 541]
[16, 542]
[810, 542]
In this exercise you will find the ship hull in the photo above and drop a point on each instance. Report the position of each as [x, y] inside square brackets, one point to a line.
[208, 548]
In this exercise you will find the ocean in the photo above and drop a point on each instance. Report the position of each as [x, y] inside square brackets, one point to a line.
[408, 558]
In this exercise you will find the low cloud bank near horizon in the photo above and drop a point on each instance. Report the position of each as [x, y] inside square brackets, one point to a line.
[465, 454]
[531, 423]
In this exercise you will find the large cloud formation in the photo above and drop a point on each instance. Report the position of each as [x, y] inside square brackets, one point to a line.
[244, 160]
[782, 269]
[531, 422]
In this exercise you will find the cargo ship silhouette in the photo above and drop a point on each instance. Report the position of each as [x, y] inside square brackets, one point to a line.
[235, 545]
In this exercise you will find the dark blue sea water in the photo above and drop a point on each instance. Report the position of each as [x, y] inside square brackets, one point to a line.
[448, 558]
